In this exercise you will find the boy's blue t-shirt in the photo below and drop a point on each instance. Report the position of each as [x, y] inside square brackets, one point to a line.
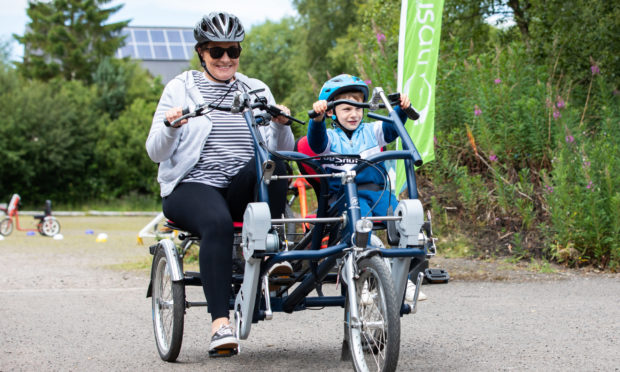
[367, 139]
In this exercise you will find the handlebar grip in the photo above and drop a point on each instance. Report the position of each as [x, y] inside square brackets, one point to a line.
[312, 114]
[411, 113]
[185, 111]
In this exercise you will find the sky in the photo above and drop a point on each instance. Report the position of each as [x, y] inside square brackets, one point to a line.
[180, 13]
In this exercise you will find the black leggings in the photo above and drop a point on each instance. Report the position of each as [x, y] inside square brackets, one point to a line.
[209, 212]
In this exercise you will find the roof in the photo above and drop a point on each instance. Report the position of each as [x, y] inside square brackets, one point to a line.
[158, 43]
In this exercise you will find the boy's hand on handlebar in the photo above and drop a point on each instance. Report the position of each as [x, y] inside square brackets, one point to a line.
[281, 119]
[319, 108]
[404, 101]
[175, 113]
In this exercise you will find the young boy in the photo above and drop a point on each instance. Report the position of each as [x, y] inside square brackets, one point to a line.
[352, 137]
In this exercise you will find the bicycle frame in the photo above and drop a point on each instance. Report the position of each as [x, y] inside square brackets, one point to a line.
[13, 212]
[403, 255]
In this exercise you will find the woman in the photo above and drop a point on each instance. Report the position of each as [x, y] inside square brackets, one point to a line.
[206, 167]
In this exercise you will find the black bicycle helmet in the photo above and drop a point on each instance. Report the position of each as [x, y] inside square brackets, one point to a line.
[218, 26]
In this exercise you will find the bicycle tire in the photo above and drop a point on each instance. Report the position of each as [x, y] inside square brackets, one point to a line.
[374, 344]
[49, 226]
[168, 299]
[6, 226]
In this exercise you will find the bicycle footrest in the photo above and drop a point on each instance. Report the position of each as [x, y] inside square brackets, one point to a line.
[223, 353]
[436, 276]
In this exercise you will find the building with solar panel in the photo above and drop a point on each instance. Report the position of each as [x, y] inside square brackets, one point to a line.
[164, 51]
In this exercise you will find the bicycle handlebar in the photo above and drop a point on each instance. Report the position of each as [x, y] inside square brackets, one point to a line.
[272, 110]
[394, 99]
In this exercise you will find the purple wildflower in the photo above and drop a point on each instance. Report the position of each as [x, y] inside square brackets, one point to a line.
[549, 189]
[561, 103]
[595, 70]
[380, 37]
[570, 139]
[498, 81]
[368, 82]
[590, 185]
[586, 164]
[493, 157]
[477, 111]
[556, 114]
[435, 139]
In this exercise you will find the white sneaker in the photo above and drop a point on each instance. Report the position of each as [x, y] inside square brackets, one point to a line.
[366, 297]
[411, 292]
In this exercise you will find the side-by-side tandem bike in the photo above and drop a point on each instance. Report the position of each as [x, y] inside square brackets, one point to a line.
[372, 278]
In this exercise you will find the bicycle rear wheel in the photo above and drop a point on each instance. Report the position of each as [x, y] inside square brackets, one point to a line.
[168, 308]
[49, 226]
[374, 340]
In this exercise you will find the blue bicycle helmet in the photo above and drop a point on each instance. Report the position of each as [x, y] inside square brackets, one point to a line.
[343, 83]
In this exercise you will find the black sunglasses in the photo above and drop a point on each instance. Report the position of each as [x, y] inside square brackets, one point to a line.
[217, 52]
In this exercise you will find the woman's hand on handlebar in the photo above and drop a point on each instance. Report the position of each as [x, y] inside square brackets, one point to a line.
[281, 119]
[319, 107]
[175, 113]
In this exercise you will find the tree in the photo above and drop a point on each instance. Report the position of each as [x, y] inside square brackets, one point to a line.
[5, 52]
[47, 138]
[68, 38]
[122, 161]
[121, 81]
[324, 21]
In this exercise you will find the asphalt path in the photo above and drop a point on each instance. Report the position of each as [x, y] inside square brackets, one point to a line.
[71, 307]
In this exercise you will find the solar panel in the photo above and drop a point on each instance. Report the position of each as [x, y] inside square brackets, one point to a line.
[174, 36]
[158, 43]
[177, 52]
[141, 36]
[144, 51]
[188, 35]
[157, 36]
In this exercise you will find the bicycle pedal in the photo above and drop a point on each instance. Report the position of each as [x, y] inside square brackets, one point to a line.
[436, 276]
[223, 353]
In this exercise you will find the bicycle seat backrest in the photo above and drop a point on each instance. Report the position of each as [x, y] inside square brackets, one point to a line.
[302, 146]
[13, 205]
[48, 208]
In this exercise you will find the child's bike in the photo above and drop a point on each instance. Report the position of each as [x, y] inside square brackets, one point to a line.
[48, 225]
[371, 292]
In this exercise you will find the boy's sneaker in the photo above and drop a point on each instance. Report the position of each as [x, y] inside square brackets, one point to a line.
[411, 292]
[223, 338]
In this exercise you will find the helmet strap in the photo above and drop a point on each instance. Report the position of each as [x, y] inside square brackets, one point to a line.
[204, 65]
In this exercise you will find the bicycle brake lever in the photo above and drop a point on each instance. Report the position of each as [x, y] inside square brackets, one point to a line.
[276, 111]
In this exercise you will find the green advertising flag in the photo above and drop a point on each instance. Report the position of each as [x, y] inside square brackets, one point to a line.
[420, 29]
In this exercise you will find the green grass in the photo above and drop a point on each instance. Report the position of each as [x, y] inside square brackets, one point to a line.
[541, 266]
[455, 246]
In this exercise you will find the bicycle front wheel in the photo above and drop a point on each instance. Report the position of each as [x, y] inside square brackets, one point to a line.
[374, 339]
[6, 226]
[168, 308]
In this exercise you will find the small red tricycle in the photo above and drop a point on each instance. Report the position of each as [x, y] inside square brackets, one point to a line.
[48, 225]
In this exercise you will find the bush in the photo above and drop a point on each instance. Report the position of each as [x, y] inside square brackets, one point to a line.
[583, 187]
